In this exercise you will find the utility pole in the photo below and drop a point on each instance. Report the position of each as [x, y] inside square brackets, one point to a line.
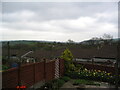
[19, 65]
[8, 47]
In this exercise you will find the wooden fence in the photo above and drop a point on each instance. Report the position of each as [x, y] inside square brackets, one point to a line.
[31, 73]
[109, 69]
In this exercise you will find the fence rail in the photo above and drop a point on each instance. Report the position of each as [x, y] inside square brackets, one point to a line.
[109, 69]
[31, 73]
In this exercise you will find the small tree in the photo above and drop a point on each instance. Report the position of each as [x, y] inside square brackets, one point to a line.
[68, 57]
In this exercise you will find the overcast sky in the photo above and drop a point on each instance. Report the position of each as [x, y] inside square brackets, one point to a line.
[58, 21]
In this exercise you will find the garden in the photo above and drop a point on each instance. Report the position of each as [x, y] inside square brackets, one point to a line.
[78, 76]
[81, 79]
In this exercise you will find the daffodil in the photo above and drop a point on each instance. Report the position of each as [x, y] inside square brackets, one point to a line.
[99, 71]
[93, 73]
[85, 69]
[108, 73]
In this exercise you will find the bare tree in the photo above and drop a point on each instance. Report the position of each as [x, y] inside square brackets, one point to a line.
[107, 36]
[70, 41]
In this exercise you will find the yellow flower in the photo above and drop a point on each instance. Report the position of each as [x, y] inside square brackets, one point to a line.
[108, 73]
[99, 71]
[85, 69]
[105, 72]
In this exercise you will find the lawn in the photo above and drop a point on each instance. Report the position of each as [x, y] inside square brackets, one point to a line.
[85, 82]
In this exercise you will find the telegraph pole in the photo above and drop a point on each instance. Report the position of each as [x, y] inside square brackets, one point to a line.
[8, 47]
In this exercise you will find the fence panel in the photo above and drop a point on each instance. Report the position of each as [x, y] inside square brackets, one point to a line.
[108, 69]
[27, 75]
[10, 78]
[61, 67]
[39, 72]
[31, 74]
[50, 70]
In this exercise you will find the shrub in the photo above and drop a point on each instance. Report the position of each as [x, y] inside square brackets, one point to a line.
[71, 74]
[68, 57]
[86, 82]
[47, 86]
[53, 84]
[60, 82]
[4, 67]
[65, 78]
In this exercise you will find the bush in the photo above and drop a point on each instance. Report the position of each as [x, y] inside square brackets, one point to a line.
[53, 84]
[65, 78]
[60, 82]
[4, 67]
[73, 75]
[86, 82]
[47, 86]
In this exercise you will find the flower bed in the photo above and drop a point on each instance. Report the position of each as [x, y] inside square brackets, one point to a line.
[96, 75]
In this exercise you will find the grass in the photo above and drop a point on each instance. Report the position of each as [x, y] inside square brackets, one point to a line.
[85, 82]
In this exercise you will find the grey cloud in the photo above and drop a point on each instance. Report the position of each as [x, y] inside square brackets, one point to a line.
[48, 11]
[64, 18]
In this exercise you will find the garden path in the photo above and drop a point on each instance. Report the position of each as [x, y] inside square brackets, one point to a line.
[68, 85]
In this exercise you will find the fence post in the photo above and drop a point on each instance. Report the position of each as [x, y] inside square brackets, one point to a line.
[19, 72]
[44, 69]
[34, 72]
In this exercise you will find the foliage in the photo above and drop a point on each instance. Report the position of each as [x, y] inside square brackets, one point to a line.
[60, 82]
[53, 84]
[4, 67]
[96, 75]
[78, 67]
[65, 78]
[73, 75]
[86, 82]
[68, 57]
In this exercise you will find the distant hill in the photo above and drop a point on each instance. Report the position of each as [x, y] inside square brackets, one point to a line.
[88, 42]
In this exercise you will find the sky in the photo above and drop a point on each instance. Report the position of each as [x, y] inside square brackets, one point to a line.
[58, 21]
